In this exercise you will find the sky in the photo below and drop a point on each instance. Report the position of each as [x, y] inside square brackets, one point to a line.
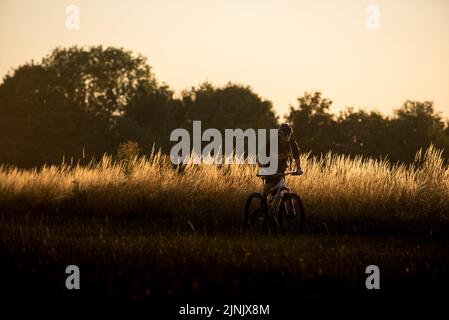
[366, 54]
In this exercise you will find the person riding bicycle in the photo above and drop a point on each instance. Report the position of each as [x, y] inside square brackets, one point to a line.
[287, 147]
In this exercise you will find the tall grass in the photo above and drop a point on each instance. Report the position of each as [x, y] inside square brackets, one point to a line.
[339, 193]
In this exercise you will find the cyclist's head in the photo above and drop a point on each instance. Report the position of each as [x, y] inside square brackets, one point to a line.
[285, 131]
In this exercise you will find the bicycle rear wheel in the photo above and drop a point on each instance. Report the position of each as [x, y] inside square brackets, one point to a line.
[291, 214]
[255, 215]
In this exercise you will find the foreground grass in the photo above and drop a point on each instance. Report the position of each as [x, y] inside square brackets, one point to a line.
[126, 263]
[152, 232]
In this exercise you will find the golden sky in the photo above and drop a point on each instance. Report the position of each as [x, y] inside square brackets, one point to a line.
[280, 48]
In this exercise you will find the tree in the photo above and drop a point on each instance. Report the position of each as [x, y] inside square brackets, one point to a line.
[99, 81]
[363, 133]
[415, 125]
[313, 125]
[231, 106]
[71, 101]
[38, 124]
[151, 115]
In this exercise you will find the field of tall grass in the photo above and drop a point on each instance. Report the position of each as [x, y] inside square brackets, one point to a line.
[340, 194]
[143, 230]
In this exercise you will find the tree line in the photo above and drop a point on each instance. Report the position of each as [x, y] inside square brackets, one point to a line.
[79, 103]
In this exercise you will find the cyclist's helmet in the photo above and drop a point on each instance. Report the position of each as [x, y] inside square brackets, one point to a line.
[285, 129]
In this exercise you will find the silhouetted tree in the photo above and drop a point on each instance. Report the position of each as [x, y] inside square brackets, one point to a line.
[313, 125]
[99, 81]
[85, 101]
[362, 133]
[151, 115]
[69, 101]
[38, 124]
[231, 106]
[415, 125]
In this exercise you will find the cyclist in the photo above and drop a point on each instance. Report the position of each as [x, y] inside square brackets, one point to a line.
[287, 147]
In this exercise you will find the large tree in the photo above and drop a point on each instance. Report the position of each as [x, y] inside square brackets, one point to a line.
[313, 124]
[415, 125]
[100, 81]
[151, 115]
[362, 133]
[230, 106]
[70, 101]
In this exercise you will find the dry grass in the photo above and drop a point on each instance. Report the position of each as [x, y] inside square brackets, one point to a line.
[338, 192]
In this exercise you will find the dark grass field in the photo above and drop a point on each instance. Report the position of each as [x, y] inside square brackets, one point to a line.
[161, 239]
[129, 263]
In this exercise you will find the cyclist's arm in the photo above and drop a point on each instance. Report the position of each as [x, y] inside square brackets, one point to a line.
[295, 153]
[298, 164]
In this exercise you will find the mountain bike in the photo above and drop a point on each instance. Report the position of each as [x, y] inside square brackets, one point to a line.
[282, 211]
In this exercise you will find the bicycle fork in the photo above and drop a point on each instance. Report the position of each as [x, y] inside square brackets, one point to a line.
[273, 211]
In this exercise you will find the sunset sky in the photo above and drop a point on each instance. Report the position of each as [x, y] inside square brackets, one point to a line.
[280, 48]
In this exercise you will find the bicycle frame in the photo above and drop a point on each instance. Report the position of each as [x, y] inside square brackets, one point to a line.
[277, 199]
[284, 210]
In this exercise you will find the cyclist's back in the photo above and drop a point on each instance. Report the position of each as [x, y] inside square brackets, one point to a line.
[287, 147]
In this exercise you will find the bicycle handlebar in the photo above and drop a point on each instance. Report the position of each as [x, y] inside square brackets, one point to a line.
[289, 173]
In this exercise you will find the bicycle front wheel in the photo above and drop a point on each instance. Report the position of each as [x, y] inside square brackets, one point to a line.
[255, 217]
[292, 214]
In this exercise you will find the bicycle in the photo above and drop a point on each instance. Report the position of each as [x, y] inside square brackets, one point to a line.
[283, 211]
